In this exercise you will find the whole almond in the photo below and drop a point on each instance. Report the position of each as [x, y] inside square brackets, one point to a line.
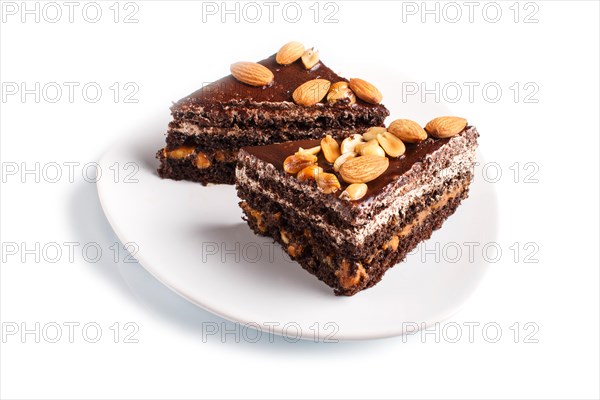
[310, 58]
[363, 169]
[393, 146]
[339, 91]
[445, 127]
[252, 73]
[408, 131]
[289, 53]
[365, 91]
[331, 149]
[311, 92]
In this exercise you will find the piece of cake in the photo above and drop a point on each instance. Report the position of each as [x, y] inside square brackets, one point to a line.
[349, 211]
[291, 95]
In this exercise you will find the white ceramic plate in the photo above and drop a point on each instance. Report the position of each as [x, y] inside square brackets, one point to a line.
[193, 240]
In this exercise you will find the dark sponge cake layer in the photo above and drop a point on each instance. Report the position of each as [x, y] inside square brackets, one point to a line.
[235, 139]
[219, 172]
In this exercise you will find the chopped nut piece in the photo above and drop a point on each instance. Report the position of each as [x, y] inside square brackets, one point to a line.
[257, 215]
[339, 91]
[284, 237]
[295, 250]
[392, 145]
[181, 152]
[313, 150]
[310, 58]
[342, 159]
[331, 149]
[347, 277]
[350, 143]
[372, 132]
[219, 156]
[201, 161]
[355, 191]
[371, 148]
[297, 162]
[309, 173]
[328, 183]
[394, 243]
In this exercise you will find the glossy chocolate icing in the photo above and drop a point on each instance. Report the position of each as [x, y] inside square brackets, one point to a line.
[287, 79]
[276, 154]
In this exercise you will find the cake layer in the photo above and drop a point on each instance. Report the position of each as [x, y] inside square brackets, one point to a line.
[236, 138]
[288, 116]
[348, 273]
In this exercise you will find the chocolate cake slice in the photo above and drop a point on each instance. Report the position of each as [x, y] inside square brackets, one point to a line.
[259, 106]
[348, 215]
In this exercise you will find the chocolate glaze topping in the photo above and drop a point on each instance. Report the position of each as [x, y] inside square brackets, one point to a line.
[276, 154]
[287, 79]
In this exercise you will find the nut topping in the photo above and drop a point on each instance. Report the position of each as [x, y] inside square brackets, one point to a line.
[445, 127]
[372, 132]
[365, 91]
[311, 92]
[328, 183]
[355, 191]
[370, 148]
[297, 162]
[289, 53]
[340, 91]
[342, 159]
[313, 150]
[310, 58]
[252, 73]
[408, 131]
[309, 173]
[363, 169]
[331, 149]
[201, 161]
[393, 146]
[350, 143]
[284, 237]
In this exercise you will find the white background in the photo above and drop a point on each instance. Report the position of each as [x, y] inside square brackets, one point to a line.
[170, 52]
